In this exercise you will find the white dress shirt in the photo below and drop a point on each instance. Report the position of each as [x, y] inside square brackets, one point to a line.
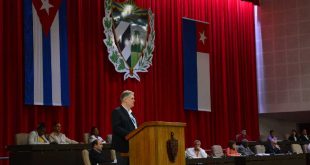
[133, 120]
[93, 138]
[61, 139]
[190, 153]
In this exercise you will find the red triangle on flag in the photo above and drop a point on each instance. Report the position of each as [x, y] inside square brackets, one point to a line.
[47, 10]
[202, 37]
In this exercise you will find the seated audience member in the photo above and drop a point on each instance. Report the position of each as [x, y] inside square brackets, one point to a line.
[293, 136]
[304, 136]
[273, 148]
[95, 154]
[196, 151]
[57, 137]
[94, 135]
[286, 137]
[109, 138]
[244, 149]
[232, 149]
[272, 137]
[242, 136]
[38, 136]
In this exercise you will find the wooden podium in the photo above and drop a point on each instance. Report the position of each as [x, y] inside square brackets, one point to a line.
[148, 143]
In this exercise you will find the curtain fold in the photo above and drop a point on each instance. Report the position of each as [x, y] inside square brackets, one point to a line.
[95, 86]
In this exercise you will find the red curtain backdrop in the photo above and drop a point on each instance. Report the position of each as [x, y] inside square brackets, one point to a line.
[95, 86]
[255, 2]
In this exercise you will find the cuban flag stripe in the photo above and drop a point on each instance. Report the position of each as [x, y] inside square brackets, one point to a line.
[46, 53]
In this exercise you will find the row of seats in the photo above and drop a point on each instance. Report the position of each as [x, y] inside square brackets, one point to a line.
[217, 150]
[22, 138]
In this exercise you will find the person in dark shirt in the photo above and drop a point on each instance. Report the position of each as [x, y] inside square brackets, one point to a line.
[244, 149]
[273, 148]
[293, 137]
[304, 136]
[95, 154]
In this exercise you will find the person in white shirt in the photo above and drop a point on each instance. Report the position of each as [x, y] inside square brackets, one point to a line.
[94, 135]
[57, 137]
[196, 151]
[38, 136]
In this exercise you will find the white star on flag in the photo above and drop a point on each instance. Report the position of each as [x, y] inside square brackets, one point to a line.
[46, 6]
[202, 37]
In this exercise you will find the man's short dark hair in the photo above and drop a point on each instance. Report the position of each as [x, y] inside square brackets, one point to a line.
[92, 130]
[125, 94]
[231, 143]
[55, 123]
[95, 142]
[41, 126]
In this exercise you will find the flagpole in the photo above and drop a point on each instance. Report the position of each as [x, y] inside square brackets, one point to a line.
[195, 20]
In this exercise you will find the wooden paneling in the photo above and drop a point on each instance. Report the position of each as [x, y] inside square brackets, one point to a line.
[148, 144]
[53, 154]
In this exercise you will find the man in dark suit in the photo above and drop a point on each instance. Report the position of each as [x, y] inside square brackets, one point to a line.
[304, 136]
[123, 122]
[96, 154]
[273, 148]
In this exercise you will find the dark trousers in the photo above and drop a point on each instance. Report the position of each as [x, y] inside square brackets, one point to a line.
[122, 160]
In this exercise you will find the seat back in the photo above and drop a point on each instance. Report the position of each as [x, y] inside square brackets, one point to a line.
[259, 149]
[217, 151]
[305, 148]
[86, 137]
[85, 156]
[113, 155]
[21, 138]
[296, 148]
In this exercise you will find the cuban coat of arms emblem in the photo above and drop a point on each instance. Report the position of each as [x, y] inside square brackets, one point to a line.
[130, 35]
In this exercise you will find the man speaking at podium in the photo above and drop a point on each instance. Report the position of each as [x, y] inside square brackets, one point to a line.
[123, 122]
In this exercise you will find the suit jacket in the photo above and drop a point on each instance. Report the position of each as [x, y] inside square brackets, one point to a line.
[303, 138]
[272, 150]
[245, 150]
[121, 126]
[97, 157]
[292, 138]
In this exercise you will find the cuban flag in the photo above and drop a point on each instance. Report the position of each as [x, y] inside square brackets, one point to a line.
[46, 53]
[196, 65]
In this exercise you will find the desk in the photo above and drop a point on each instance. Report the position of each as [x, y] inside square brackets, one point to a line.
[211, 161]
[51, 154]
[300, 159]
